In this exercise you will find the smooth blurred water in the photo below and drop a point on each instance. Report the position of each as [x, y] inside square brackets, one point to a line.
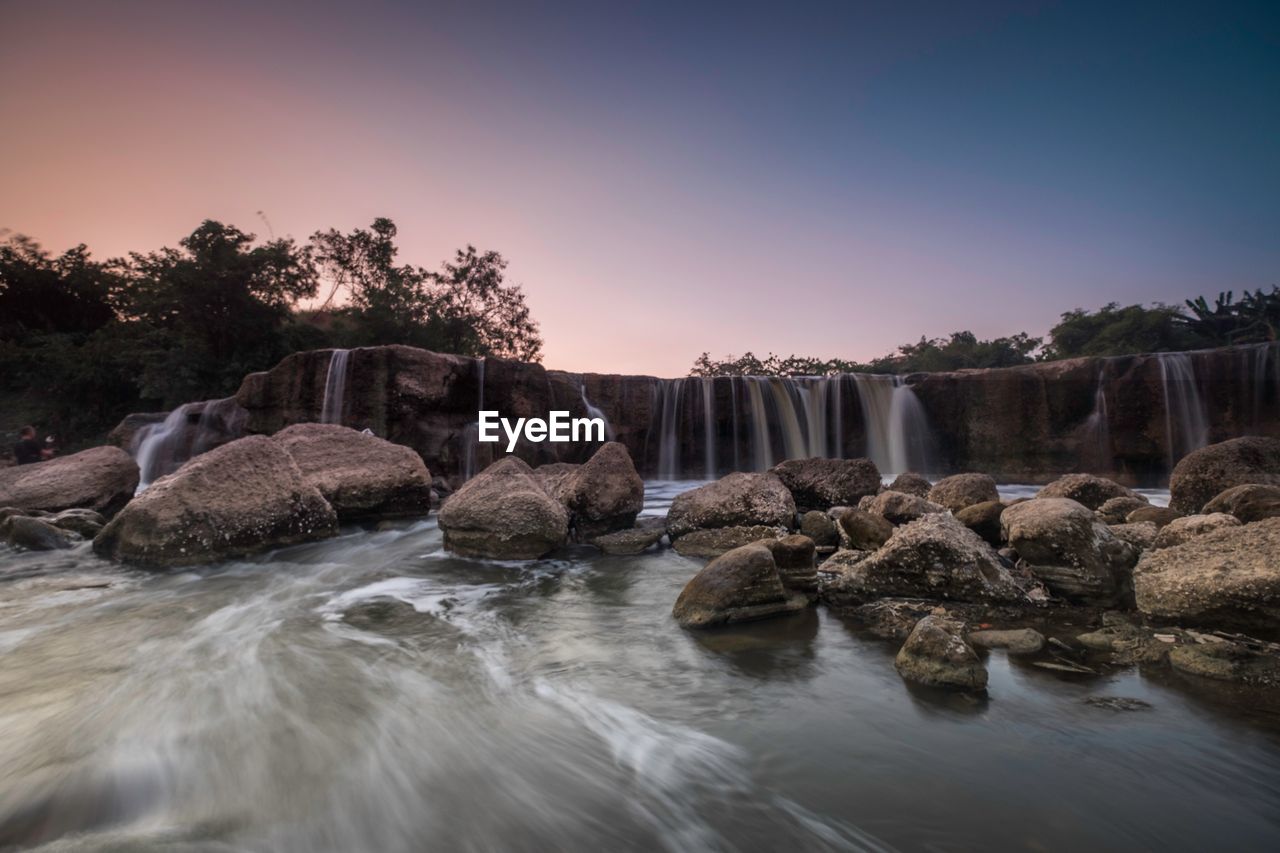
[374, 693]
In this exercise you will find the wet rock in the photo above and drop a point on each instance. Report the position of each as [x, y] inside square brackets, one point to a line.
[713, 542]
[963, 490]
[1126, 643]
[984, 520]
[1157, 515]
[1017, 641]
[102, 479]
[819, 527]
[935, 557]
[898, 507]
[1190, 526]
[1117, 703]
[84, 522]
[937, 655]
[647, 533]
[1141, 535]
[1203, 474]
[795, 557]
[911, 483]
[863, 531]
[1116, 510]
[739, 586]
[503, 513]
[237, 499]
[823, 483]
[1085, 489]
[363, 477]
[33, 534]
[1228, 661]
[603, 494]
[1249, 502]
[1072, 552]
[1229, 578]
[736, 500]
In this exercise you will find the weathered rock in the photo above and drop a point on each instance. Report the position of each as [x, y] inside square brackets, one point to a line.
[363, 477]
[1140, 534]
[1116, 510]
[1157, 515]
[85, 522]
[102, 479]
[647, 533]
[503, 513]
[1190, 526]
[898, 507]
[1017, 641]
[740, 585]
[714, 541]
[1229, 578]
[736, 500]
[819, 527]
[1227, 661]
[1085, 489]
[552, 477]
[963, 490]
[1203, 474]
[33, 534]
[1070, 550]
[933, 557]
[794, 556]
[823, 483]
[1249, 502]
[603, 494]
[936, 654]
[911, 483]
[984, 520]
[862, 530]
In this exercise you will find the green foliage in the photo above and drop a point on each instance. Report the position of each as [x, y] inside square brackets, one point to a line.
[1254, 319]
[1113, 330]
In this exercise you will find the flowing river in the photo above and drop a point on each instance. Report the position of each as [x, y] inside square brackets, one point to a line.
[371, 692]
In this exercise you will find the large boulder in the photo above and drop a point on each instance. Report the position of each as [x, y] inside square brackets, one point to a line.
[635, 540]
[911, 483]
[899, 507]
[739, 586]
[1085, 489]
[1190, 526]
[736, 500]
[795, 557]
[714, 541]
[363, 477]
[984, 520]
[503, 513]
[1249, 502]
[824, 483]
[1116, 510]
[1229, 578]
[963, 490]
[32, 534]
[863, 531]
[603, 494]
[936, 654]
[240, 498]
[934, 557]
[102, 479]
[1069, 549]
[1203, 474]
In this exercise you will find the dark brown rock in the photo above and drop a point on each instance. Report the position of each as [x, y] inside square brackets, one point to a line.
[603, 494]
[1157, 515]
[936, 654]
[1202, 475]
[824, 483]
[1117, 510]
[911, 483]
[736, 500]
[899, 508]
[819, 527]
[1249, 502]
[963, 490]
[647, 533]
[503, 513]
[1085, 489]
[1070, 550]
[795, 557]
[714, 541]
[32, 534]
[741, 585]
[984, 520]
[863, 530]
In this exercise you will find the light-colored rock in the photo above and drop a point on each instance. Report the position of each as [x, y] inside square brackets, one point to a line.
[963, 490]
[736, 500]
[603, 494]
[899, 507]
[1203, 474]
[1070, 550]
[503, 513]
[1016, 641]
[102, 479]
[1085, 489]
[911, 483]
[714, 541]
[739, 586]
[823, 483]
[1190, 526]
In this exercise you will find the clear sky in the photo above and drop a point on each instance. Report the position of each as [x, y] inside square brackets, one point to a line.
[816, 179]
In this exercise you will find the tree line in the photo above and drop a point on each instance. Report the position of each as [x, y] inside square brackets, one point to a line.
[1110, 330]
[83, 342]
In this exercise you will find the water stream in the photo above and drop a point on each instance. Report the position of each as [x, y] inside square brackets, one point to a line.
[333, 408]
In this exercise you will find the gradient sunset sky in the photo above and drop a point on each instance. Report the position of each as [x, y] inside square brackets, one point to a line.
[825, 179]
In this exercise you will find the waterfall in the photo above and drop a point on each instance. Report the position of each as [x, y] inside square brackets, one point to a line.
[793, 443]
[594, 411]
[1186, 420]
[186, 432]
[761, 445]
[669, 436]
[471, 433]
[335, 388]
[1097, 426]
[1258, 360]
[709, 424]
[897, 430]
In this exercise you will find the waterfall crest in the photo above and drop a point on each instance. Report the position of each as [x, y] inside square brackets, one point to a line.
[1186, 419]
[332, 410]
[186, 432]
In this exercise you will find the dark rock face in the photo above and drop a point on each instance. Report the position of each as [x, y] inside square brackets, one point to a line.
[32, 534]
[503, 513]
[963, 490]
[647, 533]
[819, 527]
[1085, 489]
[363, 477]
[824, 483]
[102, 479]
[1204, 474]
[739, 586]
[1248, 503]
[736, 500]
[240, 498]
[984, 520]
[863, 530]
[1070, 550]
[936, 654]
[84, 522]
[795, 558]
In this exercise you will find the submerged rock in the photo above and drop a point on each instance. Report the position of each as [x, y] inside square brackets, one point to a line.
[741, 585]
[1190, 526]
[1228, 661]
[503, 513]
[33, 534]
[363, 477]
[240, 498]
[1203, 474]
[823, 483]
[899, 507]
[736, 500]
[963, 490]
[1249, 502]
[1085, 489]
[714, 541]
[603, 494]
[102, 479]
[1016, 641]
[1068, 548]
[911, 483]
[647, 533]
[84, 522]
[936, 654]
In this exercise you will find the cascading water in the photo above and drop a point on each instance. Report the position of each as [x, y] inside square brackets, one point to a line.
[471, 435]
[669, 439]
[709, 426]
[187, 431]
[1097, 427]
[1186, 420]
[897, 429]
[594, 411]
[332, 409]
